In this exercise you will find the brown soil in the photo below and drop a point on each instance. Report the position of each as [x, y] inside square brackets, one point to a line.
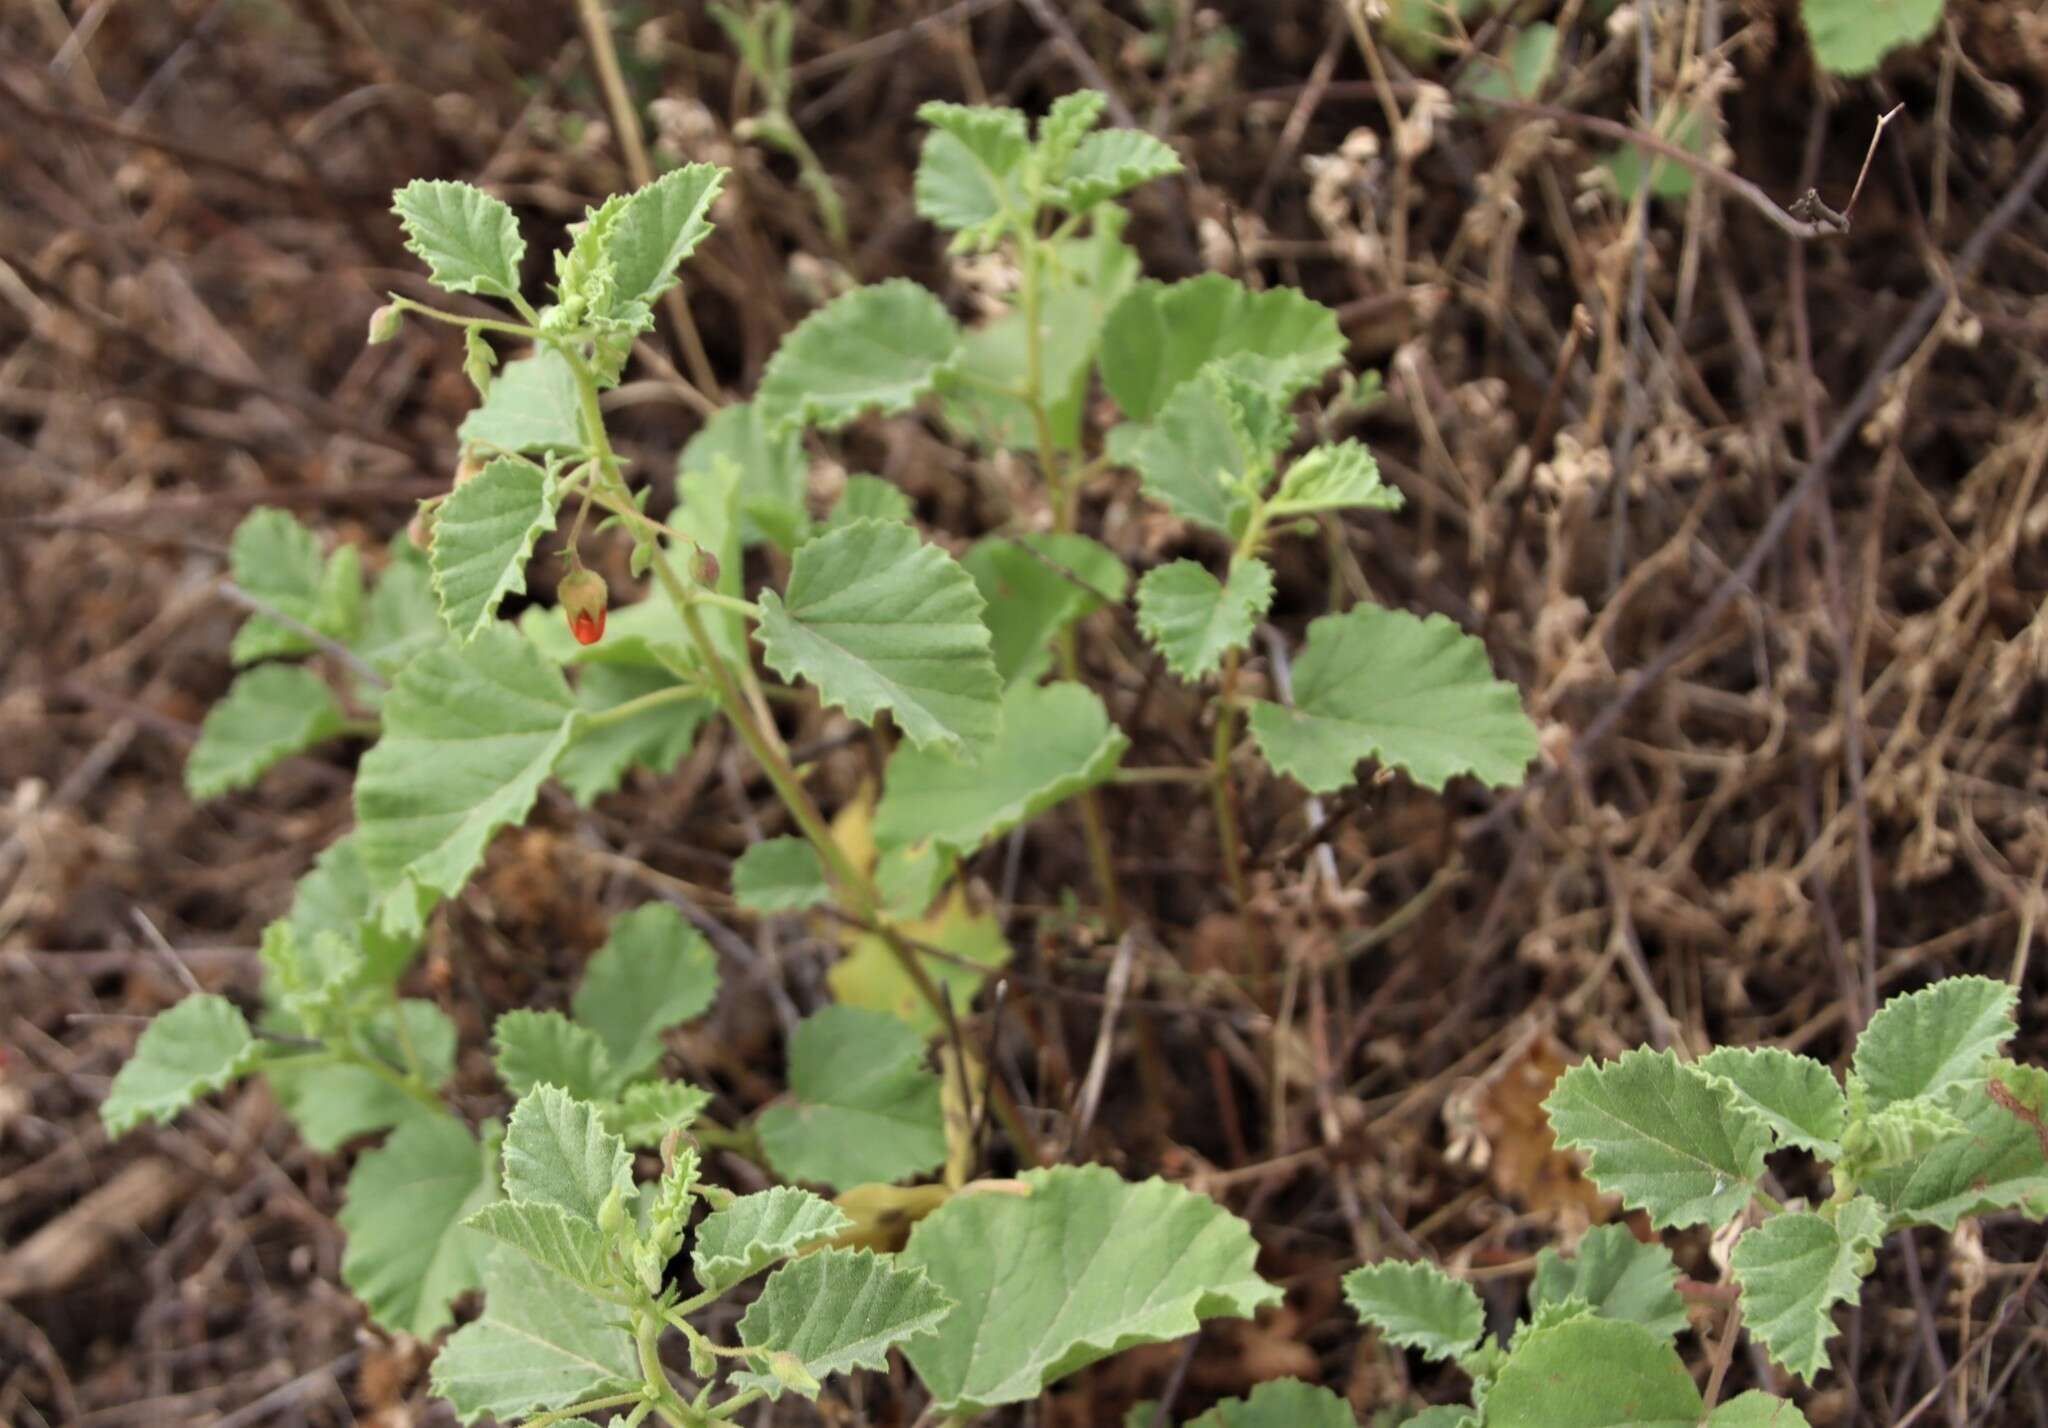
[1767, 552]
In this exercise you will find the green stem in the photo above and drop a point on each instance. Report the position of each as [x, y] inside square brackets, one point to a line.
[575, 1410]
[456, 319]
[737, 1402]
[632, 708]
[659, 1391]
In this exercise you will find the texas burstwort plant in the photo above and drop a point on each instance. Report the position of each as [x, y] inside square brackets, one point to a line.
[1002, 1287]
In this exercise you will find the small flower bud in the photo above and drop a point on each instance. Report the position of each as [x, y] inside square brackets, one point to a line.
[385, 322]
[582, 594]
[704, 568]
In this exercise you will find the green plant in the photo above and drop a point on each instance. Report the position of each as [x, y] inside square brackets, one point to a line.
[471, 714]
[1852, 37]
[764, 33]
[1933, 1125]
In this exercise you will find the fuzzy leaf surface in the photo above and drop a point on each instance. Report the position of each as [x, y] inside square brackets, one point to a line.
[878, 619]
[536, 1048]
[646, 1111]
[1340, 476]
[331, 1105]
[2000, 1160]
[774, 472]
[1926, 1042]
[654, 971]
[878, 348]
[267, 715]
[1796, 1096]
[1591, 1372]
[542, 1343]
[1160, 335]
[1417, 1306]
[1416, 694]
[400, 617]
[1085, 1266]
[840, 1310]
[968, 169]
[1108, 163]
[469, 736]
[780, 875]
[1618, 1276]
[656, 739]
[197, 1046]
[1280, 1403]
[869, 498]
[1795, 1268]
[865, 1107]
[484, 534]
[756, 1230]
[1852, 37]
[1756, 1409]
[557, 1152]
[1194, 620]
[408, 1253]
[656, 228]
[1030, 603]
[549, 1236]
[1663, 1136]
[1056, 741]
[532, 408]
[276, 560]
[468, 239]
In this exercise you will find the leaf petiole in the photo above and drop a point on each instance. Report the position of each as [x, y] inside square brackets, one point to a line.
[456, 319]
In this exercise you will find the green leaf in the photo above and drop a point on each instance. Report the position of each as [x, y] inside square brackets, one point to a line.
[1029, 602]
[408, 1254]
[1519, 75]
[1160, 335]
[535, 1048]
[1927, 1042]
[1281, 1403]
[1901, 1132]
[1796, 1096]
[1194, 620]
[197, 1046]
[276, 560]
[1666, 1137]
[967, 171]
[655, 739]
[1417, 1306]
[1794, 1268]
[336, 895]
[1591, 1372]
[1630, 167]
[469, 240]
[400, 618]
[2001, 1159]
[869, 497]
[332, 1105]
[780, 875]
[878, 619]
[871, 976]
[541, 1344]
[1056, 741]
[1201, 458]
[267, 715]
[1416, 694]
[1852, 37]
[839, 1310]
[1339, 476]
[772, 504]
[313, 978]
[654, 971]
[1084, 1266]
[469, 736]
[1756, 1409]
[557, 1152]
[708, 514]
[876, 349]
[756, 1230]
[483, 536]
[1065, 125]
[657, 227]
[552, 1238]
[1618, 1276]
[647, 1111]
[533, 407]
[1107, 164]
[865, 1108]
